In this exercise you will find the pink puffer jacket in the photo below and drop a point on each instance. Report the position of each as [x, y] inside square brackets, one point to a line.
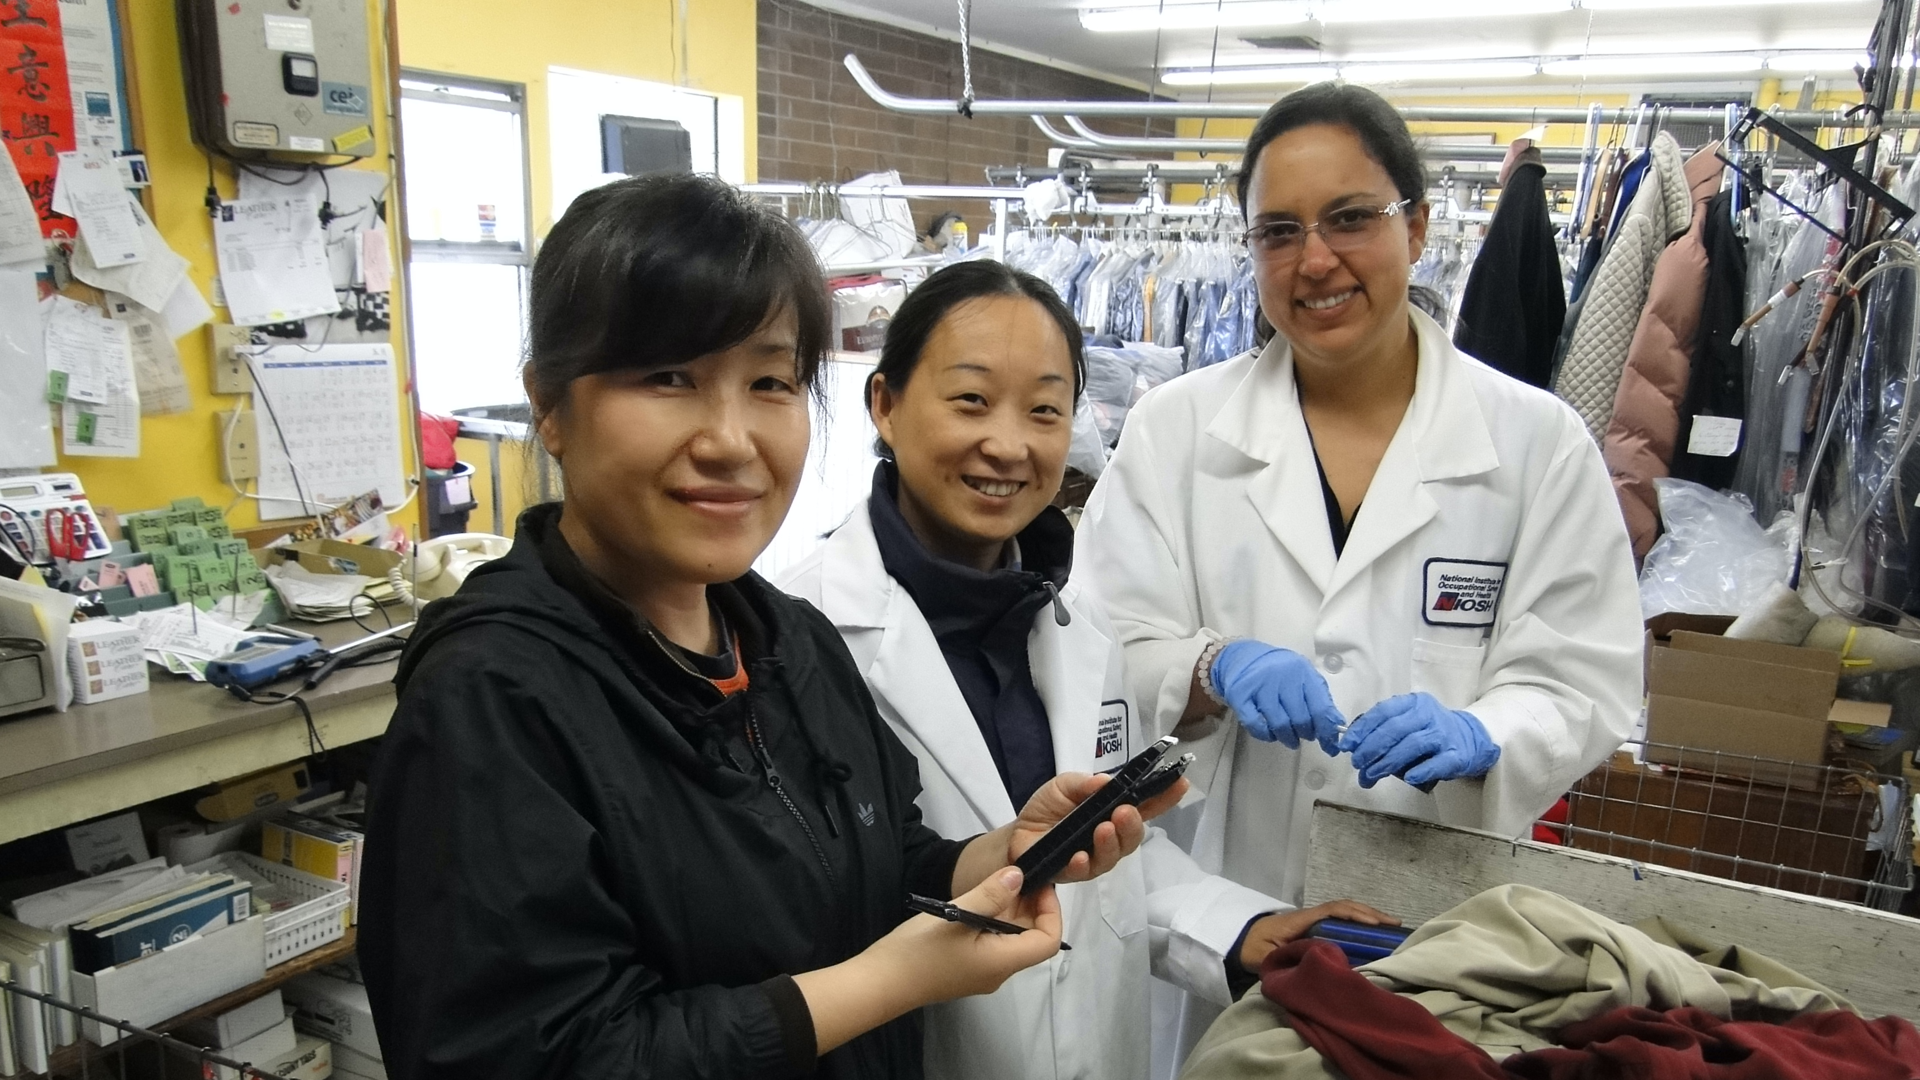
[1646, 410]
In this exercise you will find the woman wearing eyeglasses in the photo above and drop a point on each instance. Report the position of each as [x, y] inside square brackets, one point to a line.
[1403, 575]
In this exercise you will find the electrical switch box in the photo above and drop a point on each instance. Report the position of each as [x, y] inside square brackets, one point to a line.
[230, 374]
[278, 79]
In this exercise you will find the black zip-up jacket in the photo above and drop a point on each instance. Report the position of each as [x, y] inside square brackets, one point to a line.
[578, 868]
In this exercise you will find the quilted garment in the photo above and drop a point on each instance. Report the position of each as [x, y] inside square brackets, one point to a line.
[1663, 207]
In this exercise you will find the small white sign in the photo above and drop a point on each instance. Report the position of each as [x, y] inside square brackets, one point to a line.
[1714, 436]
[289, 33]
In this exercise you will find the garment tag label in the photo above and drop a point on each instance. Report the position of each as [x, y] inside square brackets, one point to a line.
[1461, 592]
[1110, 738]
[1714, 436]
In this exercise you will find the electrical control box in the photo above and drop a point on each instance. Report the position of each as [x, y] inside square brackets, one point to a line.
[278, 79]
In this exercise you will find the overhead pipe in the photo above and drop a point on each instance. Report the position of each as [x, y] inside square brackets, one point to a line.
[1122, 142]
[1090, 139]
[1251, 110]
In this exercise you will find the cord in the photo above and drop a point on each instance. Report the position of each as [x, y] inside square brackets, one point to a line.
[293, 470]
[315, 747]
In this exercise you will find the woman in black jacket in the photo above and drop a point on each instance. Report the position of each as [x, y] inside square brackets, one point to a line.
[636, 815]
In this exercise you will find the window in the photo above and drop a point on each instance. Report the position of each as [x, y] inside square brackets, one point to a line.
[465, 162]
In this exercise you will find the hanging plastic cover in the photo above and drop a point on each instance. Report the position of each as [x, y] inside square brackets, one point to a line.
[886, 219]
[1714, 558]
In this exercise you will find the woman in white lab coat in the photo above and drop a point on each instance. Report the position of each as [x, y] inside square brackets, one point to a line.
[951, 587]
[1358, 521]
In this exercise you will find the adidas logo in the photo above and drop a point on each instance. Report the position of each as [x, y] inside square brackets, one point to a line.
[866, 814]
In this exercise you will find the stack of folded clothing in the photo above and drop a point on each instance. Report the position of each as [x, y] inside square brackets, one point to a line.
[1521, 984]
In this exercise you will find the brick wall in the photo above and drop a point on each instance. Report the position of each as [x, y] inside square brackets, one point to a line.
[816, 124]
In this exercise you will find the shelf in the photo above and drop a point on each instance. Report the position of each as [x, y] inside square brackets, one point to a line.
[66, 1060]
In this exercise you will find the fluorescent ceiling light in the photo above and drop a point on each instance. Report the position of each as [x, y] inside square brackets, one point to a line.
[1281, 75]
[1370, 11]
[1479, 71]
[1656, 64]
[1802, 62]
[1197, 16]
[1668, 5]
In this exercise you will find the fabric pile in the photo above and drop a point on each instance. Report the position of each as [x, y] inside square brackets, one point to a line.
[1522, 984]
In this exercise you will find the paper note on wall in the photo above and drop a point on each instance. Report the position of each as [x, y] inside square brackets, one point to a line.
[89, 188]
[81, 349]
[186, 310]
[86, 29]
[26, 426]
[273, 260]
[150, 282]
[157, 374]
[20, 239]
[337, 407]
[376, 264]
[110, 426]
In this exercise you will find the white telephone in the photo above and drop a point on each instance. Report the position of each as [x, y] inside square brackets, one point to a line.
[440, 565]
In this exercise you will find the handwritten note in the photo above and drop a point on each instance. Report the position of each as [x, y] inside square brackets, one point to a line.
[1714, 436]
[150, 282]
[81, 348]
[157, 373]
[20, 239]
[338, 410]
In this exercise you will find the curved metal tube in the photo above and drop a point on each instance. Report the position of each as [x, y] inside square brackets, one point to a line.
[1249, 110]
[1122, 142]
[1060, 138]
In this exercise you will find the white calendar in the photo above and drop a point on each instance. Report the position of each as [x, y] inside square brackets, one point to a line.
[335, 410]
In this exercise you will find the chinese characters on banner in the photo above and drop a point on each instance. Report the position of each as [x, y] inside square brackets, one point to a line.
[36, 105]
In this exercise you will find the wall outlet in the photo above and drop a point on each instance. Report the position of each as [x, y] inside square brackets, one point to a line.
[230, 372]
[241, 444]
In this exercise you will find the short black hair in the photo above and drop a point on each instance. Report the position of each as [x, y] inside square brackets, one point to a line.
[949, 287]
[1380, 127]
[657, 270]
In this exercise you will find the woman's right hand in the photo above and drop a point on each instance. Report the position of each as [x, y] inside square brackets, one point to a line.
[948, 960]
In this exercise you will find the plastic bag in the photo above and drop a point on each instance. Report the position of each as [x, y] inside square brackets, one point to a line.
[1088, 451]
[1714, 558]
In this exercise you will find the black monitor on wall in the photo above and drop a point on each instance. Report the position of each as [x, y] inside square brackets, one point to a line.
[637, 146]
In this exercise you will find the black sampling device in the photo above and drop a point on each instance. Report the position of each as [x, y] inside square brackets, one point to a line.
[1140, 779]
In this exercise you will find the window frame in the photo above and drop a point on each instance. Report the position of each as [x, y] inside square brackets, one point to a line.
[517, 252]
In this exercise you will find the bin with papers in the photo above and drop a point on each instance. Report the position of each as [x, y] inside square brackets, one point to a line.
[304, 912]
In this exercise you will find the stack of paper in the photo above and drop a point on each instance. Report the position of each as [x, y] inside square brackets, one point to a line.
[183, 638]
[322, 597]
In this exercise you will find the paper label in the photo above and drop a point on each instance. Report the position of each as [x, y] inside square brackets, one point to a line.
[1461, 592]
[289, 33]
[1714, 436]
[347, 140]
[307, 144]
[343, 99]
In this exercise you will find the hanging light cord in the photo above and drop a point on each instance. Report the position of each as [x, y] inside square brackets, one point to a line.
[966, 59]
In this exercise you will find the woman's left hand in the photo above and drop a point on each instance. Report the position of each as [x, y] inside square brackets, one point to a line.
[1113, 839]
[1272, 931]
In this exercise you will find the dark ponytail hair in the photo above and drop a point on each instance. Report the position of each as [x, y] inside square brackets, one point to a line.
[1368, 115]
[949, 287]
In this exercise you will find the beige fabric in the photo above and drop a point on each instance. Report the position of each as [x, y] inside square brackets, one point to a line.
[1509, 968]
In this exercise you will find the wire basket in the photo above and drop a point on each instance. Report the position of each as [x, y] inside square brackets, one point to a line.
[1829, 831]
[316, 914]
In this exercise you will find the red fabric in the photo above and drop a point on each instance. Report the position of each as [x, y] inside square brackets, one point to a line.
[1371, 1034]
[1364, 1031]
[1691, 1044]
[1557, 814]
[436, 441]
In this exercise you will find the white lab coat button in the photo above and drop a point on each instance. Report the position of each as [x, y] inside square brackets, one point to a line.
[1333, 663]
[1060, 969]
[1316, 779]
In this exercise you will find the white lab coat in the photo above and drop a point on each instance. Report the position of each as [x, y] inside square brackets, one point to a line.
[1084, 1013]
[1210, 522]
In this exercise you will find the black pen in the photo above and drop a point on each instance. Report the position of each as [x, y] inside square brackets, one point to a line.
[942, 909]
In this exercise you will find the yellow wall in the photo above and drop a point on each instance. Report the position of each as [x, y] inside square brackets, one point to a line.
[516, 41]
[179, 455]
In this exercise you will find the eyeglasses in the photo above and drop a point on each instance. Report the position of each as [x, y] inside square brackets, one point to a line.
[1346, 229]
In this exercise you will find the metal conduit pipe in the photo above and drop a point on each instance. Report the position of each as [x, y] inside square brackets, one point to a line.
[1250, 110]
[1089, 139]
[1122, 142]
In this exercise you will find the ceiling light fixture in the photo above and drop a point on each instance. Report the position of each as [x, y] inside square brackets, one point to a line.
[1241, 14]
[1667, 5]
[1374, 11]
[1654, 64]
[1197, 16]
[1470, 72]
[1279, 75]
[1810, 62]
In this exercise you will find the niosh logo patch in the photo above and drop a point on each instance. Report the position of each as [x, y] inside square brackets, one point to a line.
[1461, 592]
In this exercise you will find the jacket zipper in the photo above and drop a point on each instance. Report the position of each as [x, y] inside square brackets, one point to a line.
[780, 789]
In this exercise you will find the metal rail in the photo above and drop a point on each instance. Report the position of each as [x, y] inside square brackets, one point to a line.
[1253, 109]
[1089, 139]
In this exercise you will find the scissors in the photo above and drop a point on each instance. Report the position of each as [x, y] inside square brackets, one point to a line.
[66, 535]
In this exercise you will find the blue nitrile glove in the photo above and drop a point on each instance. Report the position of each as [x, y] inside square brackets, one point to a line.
[1421, 741]
[1276, 694]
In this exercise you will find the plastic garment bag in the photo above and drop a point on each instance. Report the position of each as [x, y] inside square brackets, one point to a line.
[1714, 558]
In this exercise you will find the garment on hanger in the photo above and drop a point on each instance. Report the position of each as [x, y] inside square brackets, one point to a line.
[1589, 377]
[1717, 383]
[1512, 308]
[1639, 442]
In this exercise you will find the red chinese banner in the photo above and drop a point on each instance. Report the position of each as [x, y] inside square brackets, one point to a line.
[36, 107]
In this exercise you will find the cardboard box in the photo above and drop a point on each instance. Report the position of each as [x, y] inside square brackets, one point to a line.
[1865, 713]
[338, 557]
[272, 1044]
[235, 1026]
[174, 979]
[335, 1010]
[351, 1063]
[316, 848]
[106, 661]
[1745, 699]
[312, 1059]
